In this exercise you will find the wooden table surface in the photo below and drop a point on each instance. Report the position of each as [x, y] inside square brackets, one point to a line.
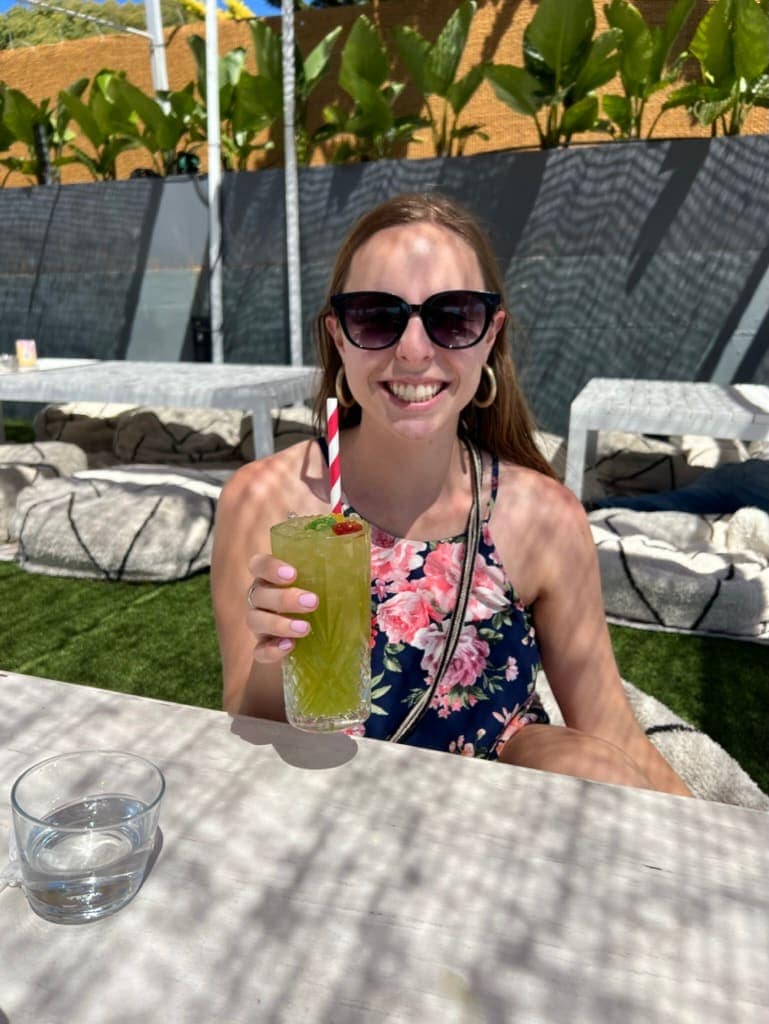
[320, 878]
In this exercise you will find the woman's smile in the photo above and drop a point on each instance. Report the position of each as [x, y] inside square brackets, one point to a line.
[414, 393]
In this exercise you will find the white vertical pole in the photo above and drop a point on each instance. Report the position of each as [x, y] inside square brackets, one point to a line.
[293, 255]
[214, 183]
[158, 64]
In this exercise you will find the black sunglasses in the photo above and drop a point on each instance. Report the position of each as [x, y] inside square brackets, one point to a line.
[455, 319]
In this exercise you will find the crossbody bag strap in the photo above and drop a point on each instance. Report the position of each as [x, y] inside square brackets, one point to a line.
[460, 607]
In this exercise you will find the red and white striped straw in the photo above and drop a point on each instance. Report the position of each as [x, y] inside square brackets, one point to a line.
[334, 465]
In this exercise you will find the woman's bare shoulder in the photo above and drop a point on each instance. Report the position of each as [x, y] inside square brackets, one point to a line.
[292, 480]
[531, 492]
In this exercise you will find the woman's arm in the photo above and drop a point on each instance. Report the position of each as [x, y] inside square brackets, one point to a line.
[575, 644]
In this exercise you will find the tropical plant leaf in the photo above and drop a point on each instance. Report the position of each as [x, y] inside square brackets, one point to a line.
[637, 44]
[268, 50]
[516, 87]
[761, 91]
[413, 49]
[197, 45]
[363, 56]
[162, 130]
[316, 64]
[446, 52]
[580, 116]
[256, 104]
[556, 37]
[751, 40]
[373, 114]
[82, 115]
[231, 66]
[617, 108]
[460, 92]
[601, 64]
[691, 94]
[707, 112]
[712, 44]
[20, 115]
[665, 37]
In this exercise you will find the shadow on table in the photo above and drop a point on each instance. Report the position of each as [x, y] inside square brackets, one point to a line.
[297, 748]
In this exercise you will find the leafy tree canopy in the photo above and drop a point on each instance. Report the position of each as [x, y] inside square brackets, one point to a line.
[32, 26]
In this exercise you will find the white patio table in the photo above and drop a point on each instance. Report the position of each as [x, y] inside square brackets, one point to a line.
[211, 385]
[326, 879]
[661, 407]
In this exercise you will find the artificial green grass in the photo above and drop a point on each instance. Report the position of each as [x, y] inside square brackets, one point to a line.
[143, 638]
[158, 640]
[721, 686]
[19, 431]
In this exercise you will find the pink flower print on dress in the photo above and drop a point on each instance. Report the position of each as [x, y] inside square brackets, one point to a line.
[488, 540]
[391, 565]
[443, 569]
[511, 670]
[404, 615]
[513, 721]
[468, 662]
[488, 593]
[458, 746]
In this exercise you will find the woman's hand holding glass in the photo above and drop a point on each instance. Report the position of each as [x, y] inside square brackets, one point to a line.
[273, 607]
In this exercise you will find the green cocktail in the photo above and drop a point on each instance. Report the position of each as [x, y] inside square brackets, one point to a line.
[327, 677]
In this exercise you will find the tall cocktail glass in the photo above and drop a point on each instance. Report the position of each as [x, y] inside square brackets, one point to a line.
[327, 677]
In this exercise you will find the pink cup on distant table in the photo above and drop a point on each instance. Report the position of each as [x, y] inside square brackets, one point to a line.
[26, 353]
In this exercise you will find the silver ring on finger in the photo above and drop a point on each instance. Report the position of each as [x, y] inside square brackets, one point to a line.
[250, 596]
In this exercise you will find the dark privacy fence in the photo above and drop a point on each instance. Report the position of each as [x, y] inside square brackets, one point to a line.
[635, 260]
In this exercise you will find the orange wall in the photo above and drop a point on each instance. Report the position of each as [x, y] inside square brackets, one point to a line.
[496, 35]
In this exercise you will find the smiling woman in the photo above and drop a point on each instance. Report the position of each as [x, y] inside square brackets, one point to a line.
[482, 567]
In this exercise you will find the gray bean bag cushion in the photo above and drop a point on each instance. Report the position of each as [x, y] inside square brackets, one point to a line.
[685, 572]
[89, 425]
[181, 436]
[22, 465]
[139, 523]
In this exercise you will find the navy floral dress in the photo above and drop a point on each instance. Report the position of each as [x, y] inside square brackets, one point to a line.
[487, 692]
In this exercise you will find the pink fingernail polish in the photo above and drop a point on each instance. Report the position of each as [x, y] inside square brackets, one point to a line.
[308, 600]
[285, 645]
[286, 572]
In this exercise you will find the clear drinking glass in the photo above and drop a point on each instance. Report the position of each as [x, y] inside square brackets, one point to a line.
[85, 826]
[327, 677]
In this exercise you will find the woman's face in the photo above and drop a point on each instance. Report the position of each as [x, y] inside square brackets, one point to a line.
[414, 388]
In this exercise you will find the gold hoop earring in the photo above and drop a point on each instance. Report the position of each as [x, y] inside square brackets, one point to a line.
[339, 382]
[484, 403]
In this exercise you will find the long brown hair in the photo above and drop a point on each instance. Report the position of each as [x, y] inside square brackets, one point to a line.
[506, 428]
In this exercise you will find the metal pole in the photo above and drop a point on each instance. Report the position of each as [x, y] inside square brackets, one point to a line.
[158, 64]
[214, 183]
[293, 254]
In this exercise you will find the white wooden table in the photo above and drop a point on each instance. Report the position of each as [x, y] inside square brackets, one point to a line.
[661, 407]
[325, 879]
[211, 385]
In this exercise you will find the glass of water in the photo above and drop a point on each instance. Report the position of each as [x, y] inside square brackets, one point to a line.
[85, 826]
